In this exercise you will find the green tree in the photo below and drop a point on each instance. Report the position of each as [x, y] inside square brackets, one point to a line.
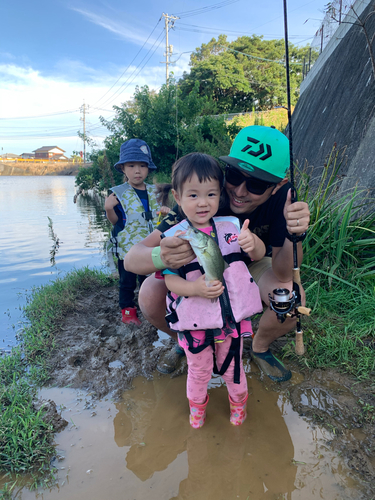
[244, 74]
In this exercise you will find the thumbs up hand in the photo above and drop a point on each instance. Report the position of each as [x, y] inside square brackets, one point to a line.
[246, 238]
[250, 243]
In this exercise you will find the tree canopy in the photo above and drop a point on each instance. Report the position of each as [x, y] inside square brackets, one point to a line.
[189, 115]
[248, 73]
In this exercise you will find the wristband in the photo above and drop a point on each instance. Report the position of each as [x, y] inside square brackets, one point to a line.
[299, 237]
[156, 259]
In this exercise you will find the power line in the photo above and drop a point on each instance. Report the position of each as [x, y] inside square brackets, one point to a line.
[130, 62]
[259, 58]
[40, 116]
[204, 10]
[117, 93]
[185, 27]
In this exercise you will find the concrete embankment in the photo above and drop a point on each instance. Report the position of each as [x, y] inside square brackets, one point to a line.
[38, 168]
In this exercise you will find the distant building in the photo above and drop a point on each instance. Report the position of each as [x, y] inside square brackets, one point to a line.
[28, 156]
[9, 156]
[49, 153]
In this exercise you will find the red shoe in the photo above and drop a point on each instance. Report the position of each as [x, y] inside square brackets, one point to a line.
[129, 315]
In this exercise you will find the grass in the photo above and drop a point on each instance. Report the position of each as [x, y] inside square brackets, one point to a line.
[277, 117]
[26, 438]
[338, 273]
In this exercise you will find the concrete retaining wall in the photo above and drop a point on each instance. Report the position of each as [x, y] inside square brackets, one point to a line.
[338, 106]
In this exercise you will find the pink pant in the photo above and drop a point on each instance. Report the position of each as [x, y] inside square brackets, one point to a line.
[200, 368]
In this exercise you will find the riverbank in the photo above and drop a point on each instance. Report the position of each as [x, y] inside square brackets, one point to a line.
[14, 168]
[76, 339]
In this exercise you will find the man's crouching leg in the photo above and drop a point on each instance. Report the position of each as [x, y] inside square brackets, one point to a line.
[271, 329]
[151, 300]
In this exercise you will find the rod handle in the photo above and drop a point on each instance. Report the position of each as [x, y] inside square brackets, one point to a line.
[304, 310]
[300, 348]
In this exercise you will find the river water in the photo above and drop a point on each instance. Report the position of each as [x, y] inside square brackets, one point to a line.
[29, 255]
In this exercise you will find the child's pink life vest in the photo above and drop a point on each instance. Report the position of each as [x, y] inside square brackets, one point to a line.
[198, 313]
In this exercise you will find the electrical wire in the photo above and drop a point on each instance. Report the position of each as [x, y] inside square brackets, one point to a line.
[39, 116]
[117, 93]
[129, 64]
[256, 57]
[204, 10]
[185, 27]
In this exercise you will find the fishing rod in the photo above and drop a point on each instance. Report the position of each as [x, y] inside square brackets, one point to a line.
[284, 303]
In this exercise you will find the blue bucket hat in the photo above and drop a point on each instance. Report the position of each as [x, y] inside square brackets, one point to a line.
[135, 150]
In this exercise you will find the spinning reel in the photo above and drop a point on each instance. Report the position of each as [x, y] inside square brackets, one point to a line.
[282, 303]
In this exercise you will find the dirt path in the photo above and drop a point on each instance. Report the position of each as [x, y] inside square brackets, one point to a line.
[100, 354]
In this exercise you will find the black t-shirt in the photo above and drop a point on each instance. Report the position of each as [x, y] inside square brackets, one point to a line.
[266, 221]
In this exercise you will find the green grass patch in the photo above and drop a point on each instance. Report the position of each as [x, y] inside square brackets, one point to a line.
[338, 273]
[341, 331]
[26, 438]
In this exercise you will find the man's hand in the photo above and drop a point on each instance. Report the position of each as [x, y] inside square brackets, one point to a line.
[213, 290]
[246, 238]
[175, 252]
[110, 202]
[297, 215]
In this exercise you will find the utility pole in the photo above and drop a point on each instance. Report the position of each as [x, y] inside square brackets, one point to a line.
[169, 23]
[84, 109]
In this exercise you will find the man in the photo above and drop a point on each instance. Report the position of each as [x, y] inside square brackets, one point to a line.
[257, 188]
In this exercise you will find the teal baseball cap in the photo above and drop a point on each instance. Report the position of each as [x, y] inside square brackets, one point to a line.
[261, 152]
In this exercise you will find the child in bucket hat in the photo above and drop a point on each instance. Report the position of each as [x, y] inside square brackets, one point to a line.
[135, 203]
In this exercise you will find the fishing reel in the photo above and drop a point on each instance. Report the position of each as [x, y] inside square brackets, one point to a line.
[282, 303]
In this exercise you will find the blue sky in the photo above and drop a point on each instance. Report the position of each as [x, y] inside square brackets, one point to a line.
[57, 55]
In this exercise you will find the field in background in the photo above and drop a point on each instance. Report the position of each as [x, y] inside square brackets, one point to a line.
[277, 117]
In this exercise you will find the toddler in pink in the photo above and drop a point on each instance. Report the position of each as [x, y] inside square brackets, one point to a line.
[212, 318]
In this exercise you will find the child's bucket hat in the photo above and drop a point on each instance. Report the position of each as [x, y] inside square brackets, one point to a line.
[135, 150]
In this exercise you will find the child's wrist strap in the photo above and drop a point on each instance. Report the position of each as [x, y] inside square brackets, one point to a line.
[156, 259]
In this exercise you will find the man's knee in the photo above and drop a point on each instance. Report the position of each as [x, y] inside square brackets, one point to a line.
[152, 296]
[268, 282]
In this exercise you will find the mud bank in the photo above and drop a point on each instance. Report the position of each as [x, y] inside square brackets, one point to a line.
[98, 353]
[39, 168]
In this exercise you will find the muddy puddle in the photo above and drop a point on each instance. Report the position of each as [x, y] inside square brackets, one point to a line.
[142, 447]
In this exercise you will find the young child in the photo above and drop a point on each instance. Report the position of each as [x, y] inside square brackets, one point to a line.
[211, 318]
[139, 208]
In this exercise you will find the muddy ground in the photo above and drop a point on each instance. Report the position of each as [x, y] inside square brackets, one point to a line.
[100, 354]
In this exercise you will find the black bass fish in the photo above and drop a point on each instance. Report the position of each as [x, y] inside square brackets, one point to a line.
[208, 253]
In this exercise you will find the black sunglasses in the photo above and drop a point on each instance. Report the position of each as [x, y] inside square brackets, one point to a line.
[255, 186]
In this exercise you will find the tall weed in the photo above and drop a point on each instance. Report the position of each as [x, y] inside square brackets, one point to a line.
[340, 243]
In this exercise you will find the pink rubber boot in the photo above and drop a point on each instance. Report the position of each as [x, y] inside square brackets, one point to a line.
[197, 414]
[129, 315]
[238, 412]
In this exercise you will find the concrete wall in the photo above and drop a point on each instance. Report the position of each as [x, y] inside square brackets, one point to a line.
[338, 106]
[358, 7]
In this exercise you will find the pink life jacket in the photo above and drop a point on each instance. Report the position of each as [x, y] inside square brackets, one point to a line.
[240, 299]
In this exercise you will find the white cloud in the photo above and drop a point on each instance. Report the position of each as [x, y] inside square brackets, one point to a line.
[121, 29]
[27, 92]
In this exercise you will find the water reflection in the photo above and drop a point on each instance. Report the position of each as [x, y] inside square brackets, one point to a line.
[27, 259]
[222, 461]
[144, 448]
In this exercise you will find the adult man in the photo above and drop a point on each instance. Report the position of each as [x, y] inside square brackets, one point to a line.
[257, 188]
